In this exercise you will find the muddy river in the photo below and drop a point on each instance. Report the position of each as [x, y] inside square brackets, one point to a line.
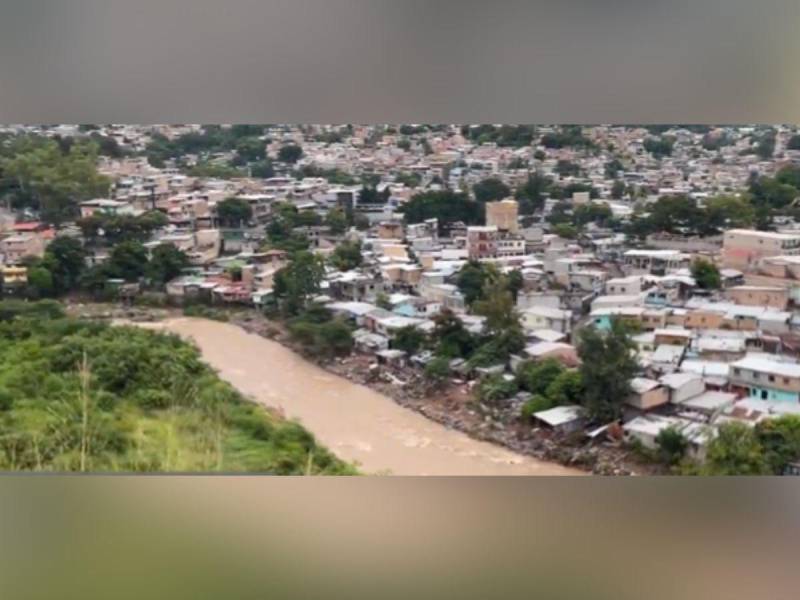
[358, 424]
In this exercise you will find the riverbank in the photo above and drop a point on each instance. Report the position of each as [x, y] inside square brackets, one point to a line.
[452, 406]
[355, 422]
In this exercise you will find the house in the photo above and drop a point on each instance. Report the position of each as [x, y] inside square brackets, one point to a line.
[545, 317]
[646, 429]
[647, 394]
[765, 378]
[673, 335]
[15, 247]
[683, 386]
[106, 207]
[482, 242]
[502, 215]
[709, 403]
[654, 262]
[756, 295]
[744, 248]
[564, 353]
[667, 358]
[562, 419]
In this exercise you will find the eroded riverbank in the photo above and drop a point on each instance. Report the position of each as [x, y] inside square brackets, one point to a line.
[355, 422]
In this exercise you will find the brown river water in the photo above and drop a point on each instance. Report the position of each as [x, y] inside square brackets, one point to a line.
[356, 423]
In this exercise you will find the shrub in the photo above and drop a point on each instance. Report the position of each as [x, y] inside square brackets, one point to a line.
[672, 446]
[536, 404]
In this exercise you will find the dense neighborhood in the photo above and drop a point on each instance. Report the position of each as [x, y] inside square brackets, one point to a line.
[628, 293]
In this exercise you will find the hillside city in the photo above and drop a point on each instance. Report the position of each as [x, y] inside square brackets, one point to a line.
[618, 298]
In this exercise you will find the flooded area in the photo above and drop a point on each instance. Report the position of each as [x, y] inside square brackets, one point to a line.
[356, 423]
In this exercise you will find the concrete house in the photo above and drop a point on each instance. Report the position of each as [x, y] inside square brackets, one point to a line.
[766, 379]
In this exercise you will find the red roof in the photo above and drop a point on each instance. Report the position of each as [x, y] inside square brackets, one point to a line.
[32, 226]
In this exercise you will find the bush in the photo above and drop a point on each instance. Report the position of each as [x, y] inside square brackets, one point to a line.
[495, 388]
[204, 312]
[672, 446]
[536, 377]
[536, 404]
[438, 369]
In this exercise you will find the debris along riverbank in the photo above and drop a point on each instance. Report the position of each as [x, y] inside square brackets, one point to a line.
[454, 406]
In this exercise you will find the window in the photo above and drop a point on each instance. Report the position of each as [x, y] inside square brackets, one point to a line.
[786, 380]
[737, 371]
[772, 377]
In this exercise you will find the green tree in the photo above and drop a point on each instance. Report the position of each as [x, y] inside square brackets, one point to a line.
[706, 274]
[409, 339]
[290, 153]
[672, 446]
[251, 149]
[567, 168]
[531, 195]
[566, 388]
[659, 147]
[166, 263]
[452, 339]
[497, 305]
[40, 282]
[490, 189]
[537, 377]
[472, 278]
[65, 258]
[347, 256]
[725, 212]
[437, 370]
[297, 282]
[780, 440]
[446, 206]
[565, 230]
[495, 388]
[535, 404]
[51, 181]
[128, 261]
[793, 143]
[262, 169]
[234, 212]
[336, 220]
[607, 366]
[735, 451]
[618, 189]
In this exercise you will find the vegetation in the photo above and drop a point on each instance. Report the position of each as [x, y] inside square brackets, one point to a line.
[234, 212]
[409, 339]
[320, 334]
[113, 229]
[446, 206]
[659, 147]
[489, 190]
[290, 153]
[672, 446]
[706, 274]
[50, 179]
[607, 367]
[76, 396]
[347, 256]
[296, 283]
[504, 135]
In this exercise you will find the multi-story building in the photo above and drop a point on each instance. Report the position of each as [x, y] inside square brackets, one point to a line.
[482, 242]
[744, 248]
[766, 379]
[503, 215]
[758, 295]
